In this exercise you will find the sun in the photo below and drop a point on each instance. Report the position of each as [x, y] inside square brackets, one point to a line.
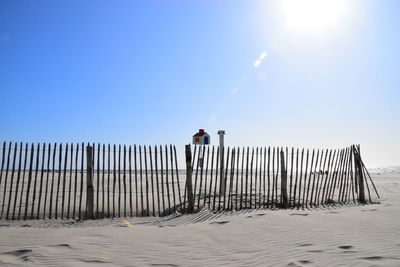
[313, 15]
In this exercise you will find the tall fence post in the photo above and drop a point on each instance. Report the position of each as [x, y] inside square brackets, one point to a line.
[222, 183]
[284, 196]
[89, 183]
[189, 185]
[359, 175]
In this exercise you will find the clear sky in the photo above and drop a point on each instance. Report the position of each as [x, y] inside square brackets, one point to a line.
[154, 72]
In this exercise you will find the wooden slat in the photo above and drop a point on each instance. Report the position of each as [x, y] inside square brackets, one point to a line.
[224, 178]
[201, 174]
[241, 179]
[81, 189]
[344, 179]
[64, 180]
[305, 178]
[291, 177]
[216, 178]
[97, 211]
[188, 156]
[232, 168]
[162, 179]
[52, 179]
[284, 196]
[130, 180]
[211, 177]
[29, 181]
[255, 179]
[141, 181]
[11, 182]
[23, 181]
[277, 174]
[35, 181]
[90, 158]
[341, 176]
[237, 157]
[273, 177]
[347, 184]
[103, 182]
[114, 180]
[119, 180]
[197, 172]
[166, 179]
[2, 161]
[70, 179]
[352, 175]
[328, 176]
[251, 177]
[152, 182]
[247, 178]
[320, 179]
[18, 180]
[172, 177]
[177, 178]
[306, 191]
[108, 180]
[136, 182]
[335, 176]
[237, 178]
[317, 160]
[206, 176]
[124, 180]
[269, 178]
[157, 181]
[41, 180]
[300, 178]
[264, 175]
[76, 180]
[260, 198]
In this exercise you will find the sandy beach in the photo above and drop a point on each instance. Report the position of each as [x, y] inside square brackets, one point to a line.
[365, 235]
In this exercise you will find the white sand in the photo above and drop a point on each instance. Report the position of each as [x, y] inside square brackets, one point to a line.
[345, 235]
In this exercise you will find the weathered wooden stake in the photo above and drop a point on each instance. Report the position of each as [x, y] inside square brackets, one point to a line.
[188, 154]
[359, 176]
[284, 196]
[89, 183]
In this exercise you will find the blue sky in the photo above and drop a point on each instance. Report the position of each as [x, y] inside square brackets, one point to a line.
[154, 72]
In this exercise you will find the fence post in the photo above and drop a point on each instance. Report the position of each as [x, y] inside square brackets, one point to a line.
[284, 197]
[359, 175]
[89, 183]
[189, 185]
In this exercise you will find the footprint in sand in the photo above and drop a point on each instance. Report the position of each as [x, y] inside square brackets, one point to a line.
[301, 262]
[306, 245]
[221, 222]
[345, 247]
[373, 258]
[61, 245]
[305, 261]
[163, 264]
[22, 254]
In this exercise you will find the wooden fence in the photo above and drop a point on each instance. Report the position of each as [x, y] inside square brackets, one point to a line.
[95, 181]
[278, 178]
[81, 181]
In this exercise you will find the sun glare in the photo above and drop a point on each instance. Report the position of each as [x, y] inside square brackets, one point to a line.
[313, 14]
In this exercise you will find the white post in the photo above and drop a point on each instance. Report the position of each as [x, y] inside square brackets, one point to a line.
[221, 158]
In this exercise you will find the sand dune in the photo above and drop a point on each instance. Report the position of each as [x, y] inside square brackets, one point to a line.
[344, 235]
